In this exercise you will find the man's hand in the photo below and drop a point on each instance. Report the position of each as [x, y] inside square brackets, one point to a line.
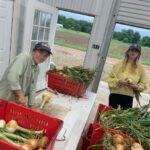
[20, 98]
[23, 101]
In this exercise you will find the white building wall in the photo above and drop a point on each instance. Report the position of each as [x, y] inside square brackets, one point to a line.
[19, 13]
[131, 12]
[91, 7]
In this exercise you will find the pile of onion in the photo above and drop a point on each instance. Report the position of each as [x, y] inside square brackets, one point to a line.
[136, 146]
[33, 144]
[118, 141]
[43, 142]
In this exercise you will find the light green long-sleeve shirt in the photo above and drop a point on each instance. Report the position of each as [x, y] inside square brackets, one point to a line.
[119, 73]
[22, 75]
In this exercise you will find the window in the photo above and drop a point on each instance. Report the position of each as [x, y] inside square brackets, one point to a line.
[41, 27]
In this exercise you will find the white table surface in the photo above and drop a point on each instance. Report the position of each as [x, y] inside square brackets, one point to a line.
[74, 121]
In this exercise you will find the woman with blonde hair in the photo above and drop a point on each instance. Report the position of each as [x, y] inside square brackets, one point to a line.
[125, 78]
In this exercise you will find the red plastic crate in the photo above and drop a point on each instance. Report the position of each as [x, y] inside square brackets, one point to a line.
[86, 138]
[31, 119]
[93, 136]
[98, 133]
[65, 85]
[101, 108]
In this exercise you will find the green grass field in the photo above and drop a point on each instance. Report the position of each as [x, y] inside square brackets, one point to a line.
[75, 33]
[72, 39]
[79, 40]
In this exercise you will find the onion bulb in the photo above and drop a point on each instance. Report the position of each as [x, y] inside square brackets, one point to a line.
[45, 99]
[27, 146]
[2, 123]
[136, 146]
[129, 81]
[117, 139]
[12, 127]
[43, 142]
[33, 142]
[119, 147]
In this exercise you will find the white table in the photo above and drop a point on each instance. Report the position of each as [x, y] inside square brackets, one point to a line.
[74, 121]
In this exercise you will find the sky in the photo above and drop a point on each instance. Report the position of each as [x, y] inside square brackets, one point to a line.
[76, 16]
[118, 27]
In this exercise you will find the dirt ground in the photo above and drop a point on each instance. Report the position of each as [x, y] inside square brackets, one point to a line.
[72, 39]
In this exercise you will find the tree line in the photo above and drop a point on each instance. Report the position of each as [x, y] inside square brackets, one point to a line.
[126, 36]
[130, 36]
[77, 25]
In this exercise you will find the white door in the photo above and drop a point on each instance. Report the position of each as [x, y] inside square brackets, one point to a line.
[41, 21]
[6, 8]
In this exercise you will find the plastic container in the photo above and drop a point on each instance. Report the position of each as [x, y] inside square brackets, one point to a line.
[87, 137]
[98, 133]
[94, 134]
[30, 119]
[101, 108]
[91, 136]
[65, 85]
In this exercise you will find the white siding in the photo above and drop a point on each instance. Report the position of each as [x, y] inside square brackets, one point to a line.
[135, 12]
[131, 12]
[6, 9]
[91, 7]
[18, 27]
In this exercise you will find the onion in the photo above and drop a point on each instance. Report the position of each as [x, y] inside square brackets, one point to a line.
[33, 142]
[119, 147]
[27, 146]
[12, 127]
[117, 139]
[130, 81]
[45, 99]
[136, 146]
[43, 142]
[2, 123]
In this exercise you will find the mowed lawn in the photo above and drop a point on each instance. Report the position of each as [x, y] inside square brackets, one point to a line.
[79, 40]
